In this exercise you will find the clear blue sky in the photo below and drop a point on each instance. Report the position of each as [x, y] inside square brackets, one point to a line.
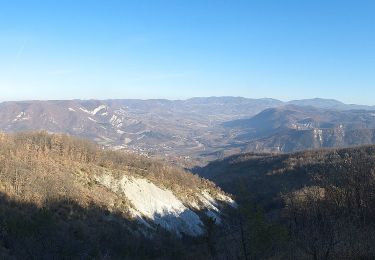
[286, 49]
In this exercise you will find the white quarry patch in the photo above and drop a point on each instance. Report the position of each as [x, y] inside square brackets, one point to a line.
[99, 108]
[21, 117]
[116, 121]
[156, 204]
[318, 135]
[302, 126]
[71, 109]
[95, 111]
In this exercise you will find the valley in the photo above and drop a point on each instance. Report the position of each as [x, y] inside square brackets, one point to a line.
[193, 132]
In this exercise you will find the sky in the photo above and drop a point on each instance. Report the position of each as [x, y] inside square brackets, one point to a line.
[177, 49]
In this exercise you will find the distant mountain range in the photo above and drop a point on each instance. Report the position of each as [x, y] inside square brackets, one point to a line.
[198, 130]
[329, 104]
[293, 128]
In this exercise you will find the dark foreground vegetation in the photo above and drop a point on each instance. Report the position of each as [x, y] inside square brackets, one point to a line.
[65, 230]
[323, 200]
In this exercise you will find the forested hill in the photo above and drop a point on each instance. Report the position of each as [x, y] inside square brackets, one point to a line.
[65, 198]
[324, 198]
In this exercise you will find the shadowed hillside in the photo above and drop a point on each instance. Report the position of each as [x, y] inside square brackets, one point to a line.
[66, 198]
[63, 229]
[325, 198]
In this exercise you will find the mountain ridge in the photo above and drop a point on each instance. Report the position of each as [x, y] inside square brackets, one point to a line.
[185, 132]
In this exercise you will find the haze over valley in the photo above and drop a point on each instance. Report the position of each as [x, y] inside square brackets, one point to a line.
[195, 131]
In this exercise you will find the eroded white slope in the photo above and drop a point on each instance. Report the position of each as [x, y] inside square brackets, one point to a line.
[95, 111]
[99, 108]
[156, 204]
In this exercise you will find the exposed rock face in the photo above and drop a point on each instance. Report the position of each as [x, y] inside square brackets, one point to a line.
[151, 203]
[42, 167]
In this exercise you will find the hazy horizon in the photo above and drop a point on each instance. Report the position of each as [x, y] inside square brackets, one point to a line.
[188, 98]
